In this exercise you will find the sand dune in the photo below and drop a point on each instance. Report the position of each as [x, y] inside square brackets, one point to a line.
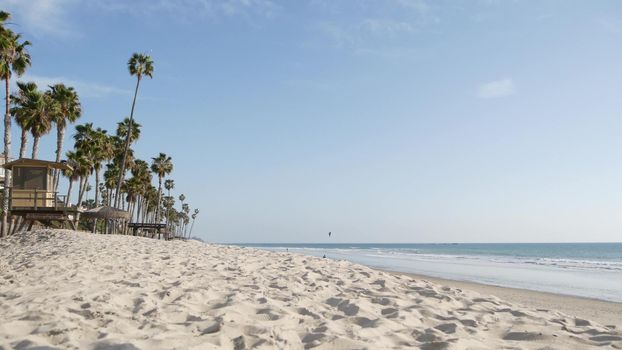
[60, 289]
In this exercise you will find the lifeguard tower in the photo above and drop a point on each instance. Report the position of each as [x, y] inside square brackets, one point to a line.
[31, 194]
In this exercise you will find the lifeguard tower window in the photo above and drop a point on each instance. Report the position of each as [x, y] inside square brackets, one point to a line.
[30, 178]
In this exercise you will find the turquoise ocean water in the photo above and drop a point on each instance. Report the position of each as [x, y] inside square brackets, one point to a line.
[592, 270]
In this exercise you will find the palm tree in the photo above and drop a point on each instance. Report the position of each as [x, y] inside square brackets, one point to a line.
[139, 65]
[162, 165]
[69, 110]
[32, 110]
[84, 169]
[169, 185]
[121, 154]
[111, 175]
[185, 208]
[194, 217]
[180, 214]
[85, 145]
[20, 111]
[103, 150]
[71, 174]
[3, 17]
[142, 177]
[41, 123]
[14, 58]
[123, 127]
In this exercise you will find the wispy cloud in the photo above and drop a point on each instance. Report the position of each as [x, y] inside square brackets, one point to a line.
[84, 88]
[210, 8]
[497, 88]
[41, 17]
[375, 26]
[389, 26]
[53, 17]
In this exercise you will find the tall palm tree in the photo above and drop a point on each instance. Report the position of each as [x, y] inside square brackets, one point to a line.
[121, 154]
[103, 150]
[21, 112]
[169, 185]
[139, 65]
[42, 109]
[85, 145]
[194, 217]
[14, 58]
[185, 208]
[33, 110]
[71, 174]
[69, 110]
[142, 175]
[162, 165]
[180, 214]
[111, 175]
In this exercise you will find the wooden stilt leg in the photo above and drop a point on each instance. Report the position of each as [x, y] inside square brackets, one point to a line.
[17, 223]
[22, 225]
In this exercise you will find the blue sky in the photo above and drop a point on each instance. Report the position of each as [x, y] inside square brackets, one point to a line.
[378, 120]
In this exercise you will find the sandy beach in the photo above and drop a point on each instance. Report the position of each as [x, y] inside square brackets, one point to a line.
[75, 290]
[603, 312]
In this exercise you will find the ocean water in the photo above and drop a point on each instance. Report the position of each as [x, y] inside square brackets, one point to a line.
[592, 270]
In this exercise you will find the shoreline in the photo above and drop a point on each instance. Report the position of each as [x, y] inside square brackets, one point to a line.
[602, 311]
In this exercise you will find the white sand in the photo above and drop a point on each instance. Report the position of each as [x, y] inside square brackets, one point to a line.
[603, 312]
[78, 290]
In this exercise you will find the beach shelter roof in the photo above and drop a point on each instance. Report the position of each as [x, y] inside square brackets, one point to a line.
[105, 212]
[37, 162]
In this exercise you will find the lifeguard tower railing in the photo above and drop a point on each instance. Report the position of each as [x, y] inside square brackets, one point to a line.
[35, 200]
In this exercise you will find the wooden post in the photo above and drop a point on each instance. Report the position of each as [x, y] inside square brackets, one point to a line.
[35, 202]
[16, 222]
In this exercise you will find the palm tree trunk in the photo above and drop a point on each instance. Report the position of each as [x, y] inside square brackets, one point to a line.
[96, 187]
[7, 152]
[22, 147]
[35, 147]
[157, 213]
[83, 182]
[60, 135]
[133, 207]
[145, 210]
[127, 142]
[191, 226]
[108, 196]
[68, 192]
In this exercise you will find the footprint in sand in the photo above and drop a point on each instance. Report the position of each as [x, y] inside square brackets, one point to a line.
[267, 314]
[365, 322]
[344, 306]
[305, 312]
[312, 339]
[441, 345]
[523, 336]
[389, 312]
[381, 301]
[447, 328]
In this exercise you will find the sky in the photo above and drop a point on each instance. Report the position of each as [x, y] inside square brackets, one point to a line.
[377, 120]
